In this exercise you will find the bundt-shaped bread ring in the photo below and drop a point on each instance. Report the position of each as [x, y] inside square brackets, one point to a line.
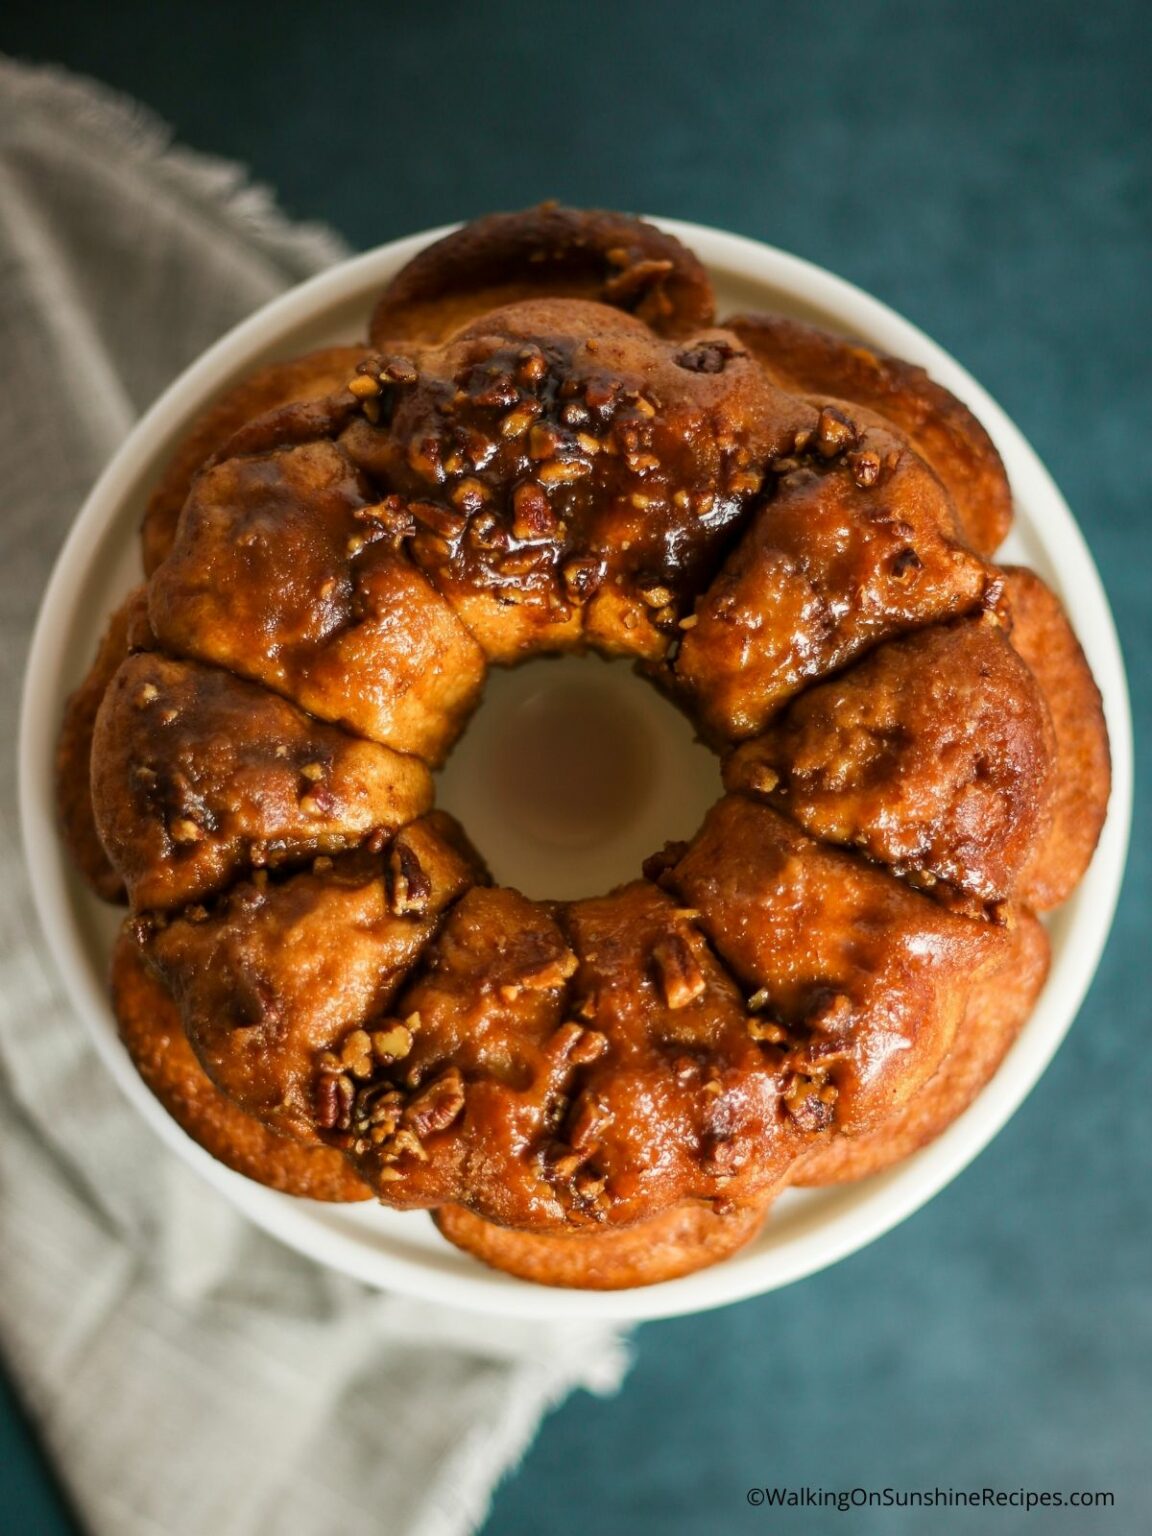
[552, 447]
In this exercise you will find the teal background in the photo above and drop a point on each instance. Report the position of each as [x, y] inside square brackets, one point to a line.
[983, 167]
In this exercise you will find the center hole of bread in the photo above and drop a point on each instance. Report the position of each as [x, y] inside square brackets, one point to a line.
[571, 763]
[571, 772]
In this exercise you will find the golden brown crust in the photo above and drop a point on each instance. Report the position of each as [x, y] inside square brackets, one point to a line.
[857, 544]
[998, 1007]
[276, 575]
[874, 972]
[151, 1029]
[1083, 769]
[677, 1242]
[299, 378]
[550, 251]
[939, 427]
[199, 777]
[933, 756]
[126, 630]
[283, 970]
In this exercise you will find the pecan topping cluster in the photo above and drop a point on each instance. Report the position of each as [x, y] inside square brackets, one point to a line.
[359, 1098]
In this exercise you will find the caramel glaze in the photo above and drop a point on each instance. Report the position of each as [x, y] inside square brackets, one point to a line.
[199, 777]
[279, 575]
[151, 1028]
[858, 544]
[570, 477]
[998, 1005]
[934, 755]
[554, 447]
[278, 972]
[591, 1062]
[941, 429]
[312, 377]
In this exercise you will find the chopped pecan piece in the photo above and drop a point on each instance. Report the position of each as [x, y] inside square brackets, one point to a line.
[589, 1121]
[810, 1102]
[406, 1140]
[766, 1030]
[399, 370]
[576, 1043]
[588, 1048]
[437, 1105]
[391, 1044]
[582, 577]
[332, 1101]
[356, 1053]
[679, 971]
[865, 467]
[439, 520]
[532, 514]
[834, 432]
[561, 1162]
[588, 1184]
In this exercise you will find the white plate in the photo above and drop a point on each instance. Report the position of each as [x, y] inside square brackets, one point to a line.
[402, 1251]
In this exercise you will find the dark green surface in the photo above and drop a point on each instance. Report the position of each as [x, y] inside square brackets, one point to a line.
[984, 168]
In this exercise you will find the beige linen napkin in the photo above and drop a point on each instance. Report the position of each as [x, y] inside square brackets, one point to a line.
[189, 1375]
